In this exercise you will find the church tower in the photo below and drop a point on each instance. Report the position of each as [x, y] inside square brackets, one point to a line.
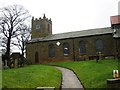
[41, 27]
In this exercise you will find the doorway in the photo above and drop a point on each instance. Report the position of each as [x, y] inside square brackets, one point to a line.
[36, 57]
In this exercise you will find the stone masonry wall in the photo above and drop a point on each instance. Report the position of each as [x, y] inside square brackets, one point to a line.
[42, 49]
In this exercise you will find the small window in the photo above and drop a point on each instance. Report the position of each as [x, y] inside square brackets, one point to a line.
[99, 45]
[82, 47]
[51, 50]
[66, 48]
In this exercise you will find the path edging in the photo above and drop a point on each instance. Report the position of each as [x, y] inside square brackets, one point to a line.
[73, 72]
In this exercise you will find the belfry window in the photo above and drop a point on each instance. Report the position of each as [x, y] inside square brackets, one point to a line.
[66, 48]
[82, 47]
[99, 45]
[51, 50]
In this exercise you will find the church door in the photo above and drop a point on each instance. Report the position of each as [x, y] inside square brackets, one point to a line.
[36, 57]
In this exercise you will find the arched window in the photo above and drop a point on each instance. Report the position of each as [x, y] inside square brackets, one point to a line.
[66, 48]
[99, 45]
[51, 50]
[82, 47]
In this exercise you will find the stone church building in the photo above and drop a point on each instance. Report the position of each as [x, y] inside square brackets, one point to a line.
[72, 46]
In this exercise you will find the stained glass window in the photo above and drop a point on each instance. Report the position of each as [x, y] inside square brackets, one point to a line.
[66, 48]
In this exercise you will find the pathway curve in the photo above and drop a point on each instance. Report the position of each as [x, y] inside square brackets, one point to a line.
[69, 79]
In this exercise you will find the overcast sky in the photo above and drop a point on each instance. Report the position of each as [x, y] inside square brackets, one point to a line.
[70, 15]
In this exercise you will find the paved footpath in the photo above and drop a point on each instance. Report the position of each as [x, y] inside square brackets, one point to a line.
[69, 79]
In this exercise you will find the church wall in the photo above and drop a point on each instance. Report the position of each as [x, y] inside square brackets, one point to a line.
[31, 50]
[119, 46]
[109, 49]
[80, 48]
[59, 56]
[28, 52]
[42, 49]
[108, 46]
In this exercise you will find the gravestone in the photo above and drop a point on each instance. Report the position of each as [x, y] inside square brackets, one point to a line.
[16, 63]
[6, 65]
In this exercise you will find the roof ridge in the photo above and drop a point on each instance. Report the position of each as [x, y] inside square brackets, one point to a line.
[82, 30]
[82, 33]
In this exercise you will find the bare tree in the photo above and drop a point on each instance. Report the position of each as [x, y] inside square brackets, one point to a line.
[10, 19]
[22, 38]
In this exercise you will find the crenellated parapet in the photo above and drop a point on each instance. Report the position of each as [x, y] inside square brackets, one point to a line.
[41, 27]
[42, 19]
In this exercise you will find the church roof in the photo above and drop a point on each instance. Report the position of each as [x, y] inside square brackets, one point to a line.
[83, 33]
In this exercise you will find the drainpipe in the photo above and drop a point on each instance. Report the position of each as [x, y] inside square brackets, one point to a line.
[73, 50]
[116, 48]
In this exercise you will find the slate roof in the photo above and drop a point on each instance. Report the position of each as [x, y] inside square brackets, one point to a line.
[90, 32]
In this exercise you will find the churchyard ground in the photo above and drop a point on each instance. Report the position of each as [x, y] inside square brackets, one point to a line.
[92, 74]
[31, 77]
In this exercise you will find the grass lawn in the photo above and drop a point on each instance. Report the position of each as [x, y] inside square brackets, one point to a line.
[92, 74]
[31, 77]
[0, 78]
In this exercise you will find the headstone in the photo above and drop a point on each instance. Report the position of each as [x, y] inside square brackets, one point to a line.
[6, 66]
[16, 63]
